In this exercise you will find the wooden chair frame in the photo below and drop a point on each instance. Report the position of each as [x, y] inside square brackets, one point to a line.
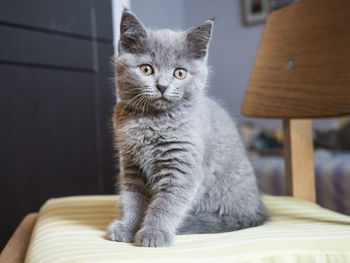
[299, 162]
[16, 248]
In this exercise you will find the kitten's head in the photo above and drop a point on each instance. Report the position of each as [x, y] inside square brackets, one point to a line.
[159, 69]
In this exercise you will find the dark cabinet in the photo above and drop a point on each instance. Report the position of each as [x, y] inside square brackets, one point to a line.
[56, 101]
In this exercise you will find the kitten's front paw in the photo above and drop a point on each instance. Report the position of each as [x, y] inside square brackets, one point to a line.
[119, 231]
[150, 237]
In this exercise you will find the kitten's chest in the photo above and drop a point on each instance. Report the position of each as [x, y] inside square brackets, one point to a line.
[136, 134]
[137, 138]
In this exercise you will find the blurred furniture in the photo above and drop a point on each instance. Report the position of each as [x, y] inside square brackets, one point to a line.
[332, 178]
[16, 249]
[56, 100]
[314, 84]
[331, 159]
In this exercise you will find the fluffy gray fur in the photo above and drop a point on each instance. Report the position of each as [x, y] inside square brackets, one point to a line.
[185, 169]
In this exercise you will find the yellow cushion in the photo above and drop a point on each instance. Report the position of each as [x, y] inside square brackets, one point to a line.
[73, 229]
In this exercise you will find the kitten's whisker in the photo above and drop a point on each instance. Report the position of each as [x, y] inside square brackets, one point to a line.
[135, 101]
[137, 88]
[140, 103]
[148, 107]
[143, 106]
[140, 94]
[132, 91]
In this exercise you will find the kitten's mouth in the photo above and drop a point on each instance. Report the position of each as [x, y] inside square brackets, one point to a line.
[162, 98]
[162, 103]
[165, 99]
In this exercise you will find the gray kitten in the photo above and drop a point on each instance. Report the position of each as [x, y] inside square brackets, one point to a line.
[185, 169]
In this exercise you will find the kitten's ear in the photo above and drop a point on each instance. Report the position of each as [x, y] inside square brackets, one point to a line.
[132, 33]
[198, 39]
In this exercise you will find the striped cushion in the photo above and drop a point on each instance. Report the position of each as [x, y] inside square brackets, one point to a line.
[73, 229]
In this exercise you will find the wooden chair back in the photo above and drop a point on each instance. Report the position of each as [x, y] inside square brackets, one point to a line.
[302, 71]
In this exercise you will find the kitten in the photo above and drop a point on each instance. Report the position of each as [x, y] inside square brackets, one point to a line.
[185, 169]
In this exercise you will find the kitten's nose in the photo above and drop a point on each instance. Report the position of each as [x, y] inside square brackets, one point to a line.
[161, 88]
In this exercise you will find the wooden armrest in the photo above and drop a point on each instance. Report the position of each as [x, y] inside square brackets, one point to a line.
[16, 248]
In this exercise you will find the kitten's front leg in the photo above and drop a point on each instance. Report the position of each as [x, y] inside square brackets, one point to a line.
[133, 201]
[172, 193]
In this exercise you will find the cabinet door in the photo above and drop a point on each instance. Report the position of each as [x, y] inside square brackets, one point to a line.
[56, 101]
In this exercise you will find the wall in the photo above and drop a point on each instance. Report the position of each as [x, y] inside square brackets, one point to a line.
[117, 10]
[160, 13]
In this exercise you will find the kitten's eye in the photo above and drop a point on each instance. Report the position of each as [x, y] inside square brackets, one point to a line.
[146, 69]
[180, 73]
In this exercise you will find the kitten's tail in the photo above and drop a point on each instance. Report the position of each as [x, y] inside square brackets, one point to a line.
[213, 223]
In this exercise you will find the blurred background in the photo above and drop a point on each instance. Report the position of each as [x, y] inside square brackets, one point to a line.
[57, 97]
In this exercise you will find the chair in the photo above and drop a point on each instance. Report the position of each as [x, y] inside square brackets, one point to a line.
[301, 72]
